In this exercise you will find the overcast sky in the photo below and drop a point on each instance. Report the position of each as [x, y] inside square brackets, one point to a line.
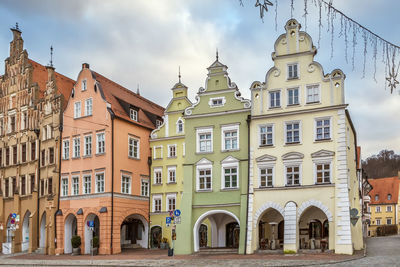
[143, 42]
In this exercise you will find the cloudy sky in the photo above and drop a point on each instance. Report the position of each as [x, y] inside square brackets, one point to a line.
[143, 42]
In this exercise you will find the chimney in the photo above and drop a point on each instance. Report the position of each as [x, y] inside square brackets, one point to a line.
[85, 66]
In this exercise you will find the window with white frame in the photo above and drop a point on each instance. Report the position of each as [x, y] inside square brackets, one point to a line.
[157, 203]
[133, 151]
[157, 175]
[65, 149]
[378, 221]
[230, 137]
[230, 177]
[77, 109]
[293, 96]
[64, 186]
[292, 71]
[275, 99]
[267, 135]
[125, 184]
[323, 129]
[204, 179]
[292, 175]
[389, 208]
[100, 147]
[88, 107]
[388, 220]
[217, 102]
[88, 145]
[84, 85]
[100, 182]
[171, 202]
[171, 151]
[378, 209]
[133, 114]
[204, 140]
[75, 185]
[158, 152]
[313, 95]
[266, 176]
[77, 147]
[87, 184]
[323, 173]
[179, 126]
[171, 174]
[144, 188]
[49, 131]
[292, 132]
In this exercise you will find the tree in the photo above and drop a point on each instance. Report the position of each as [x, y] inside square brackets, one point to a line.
[385, 164]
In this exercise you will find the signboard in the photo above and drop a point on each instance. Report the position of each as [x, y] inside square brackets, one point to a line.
[177, 213]
[90, 224]
[171, 213]
[17, 218]
[168, 220]
[178, 220]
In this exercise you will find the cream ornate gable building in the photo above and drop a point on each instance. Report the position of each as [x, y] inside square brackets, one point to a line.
[303, 191]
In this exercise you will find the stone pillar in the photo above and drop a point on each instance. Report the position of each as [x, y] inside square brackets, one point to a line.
[60, 235]
[290, 243]
[50, 232]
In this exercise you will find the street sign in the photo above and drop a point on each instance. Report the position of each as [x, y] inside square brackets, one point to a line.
[171, 213]
[178, 220]
[14, 215]
[90, 223]
[177, 213]
[17, 218]
[168, 220]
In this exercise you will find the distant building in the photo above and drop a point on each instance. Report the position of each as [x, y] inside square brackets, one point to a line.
[364, 187]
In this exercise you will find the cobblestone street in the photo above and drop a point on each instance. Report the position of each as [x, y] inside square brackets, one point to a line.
[381, 251]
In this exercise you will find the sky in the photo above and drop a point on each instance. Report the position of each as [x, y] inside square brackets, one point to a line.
[142, 43]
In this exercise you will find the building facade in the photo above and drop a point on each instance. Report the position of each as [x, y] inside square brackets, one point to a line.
[105, 166]
[215, 166]
[32, 98]
[303, 184]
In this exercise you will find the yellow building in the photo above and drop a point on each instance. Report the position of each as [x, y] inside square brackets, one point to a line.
[303, 191]
[384, 206]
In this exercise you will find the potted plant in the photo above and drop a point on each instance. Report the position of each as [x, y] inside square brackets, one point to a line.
[95, 249]
[164, 243]
[76, 243]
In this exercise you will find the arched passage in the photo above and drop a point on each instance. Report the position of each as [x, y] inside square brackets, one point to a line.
[25, 232]
[70, 229]
[224, 227]
[312, 223]
[42, 237]
[7, 245]
[155, 236]
[134, 232]
[91, 232]
[203, 233]
[271, 230]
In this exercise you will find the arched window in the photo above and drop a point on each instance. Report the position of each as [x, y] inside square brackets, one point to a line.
[179, 126]
[389, 196]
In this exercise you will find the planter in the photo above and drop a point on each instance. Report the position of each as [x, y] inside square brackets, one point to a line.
[76, 251]
[94, 251]
[164, 245]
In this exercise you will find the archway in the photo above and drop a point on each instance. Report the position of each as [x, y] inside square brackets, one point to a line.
[25, 232]
[271, 230]
[134, 232]
[42, 237]
[7, 245]
[203, 232]
[155, 236]
[91, 232]
[220, 222]
[70, 229]
[312, 234]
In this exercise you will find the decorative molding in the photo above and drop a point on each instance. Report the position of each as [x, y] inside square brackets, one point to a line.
[247, 102]
[265, 207]
[266, 158]
[322, 153]
[292, 156]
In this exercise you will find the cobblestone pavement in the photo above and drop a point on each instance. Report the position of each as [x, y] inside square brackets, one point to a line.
[381, 251]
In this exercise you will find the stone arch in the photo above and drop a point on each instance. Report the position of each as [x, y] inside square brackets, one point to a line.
[266, 206]
[25, 231]
[131, 211]
[315, 203]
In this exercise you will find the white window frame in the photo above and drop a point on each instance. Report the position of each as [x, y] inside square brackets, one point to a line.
[64, 186]
[133, 114]
[174, 147]
[323, 128]
[85, 188]
[273, 92]
[167, 198]
[388, 208]
[266, 134]
[155, 171]
[126, 185]
[293, 165]
[285, 132]
[378, 221]
[76, 147]
[155, 148]
[202, 167]
[65, 149]
[100, 183]
[378, 209]
[49, 131]
[171, 169]
[131, 147]
[230, 128]
[314, 87]
[88, 103]
[157, 197]
[288, 77]
[84, 85]
[324, 161]
[221, 99]
[77, 109]
[144, 186]
[178, 123]
[266, 167]
[294, 98]
[74, 184]
[387, 221]
[200, 131]
[87, 153]
[97, 143]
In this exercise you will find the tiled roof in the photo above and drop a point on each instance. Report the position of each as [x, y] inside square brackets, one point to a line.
[116, 94]
[383, 187]
[64, 84]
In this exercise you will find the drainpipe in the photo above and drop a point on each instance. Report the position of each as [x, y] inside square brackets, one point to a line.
[149, 162]
[59, 177]
[37, 132]
[112, 178]
[248, 120]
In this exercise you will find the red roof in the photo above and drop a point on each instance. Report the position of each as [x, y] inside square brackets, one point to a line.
[383, 187]
[64, 84]
[114, 93]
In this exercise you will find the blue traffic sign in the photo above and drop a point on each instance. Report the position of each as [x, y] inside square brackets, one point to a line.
[168, 220]
[177, 213]
[90, 223]
[14, 215]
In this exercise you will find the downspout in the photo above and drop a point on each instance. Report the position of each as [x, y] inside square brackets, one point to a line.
[149, 162]
[59, 176]
[248, 120]
[112, 179]
[37, 132]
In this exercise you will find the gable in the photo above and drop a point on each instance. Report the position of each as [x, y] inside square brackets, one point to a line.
[322, 153]
[229, 159]
[292, 155]
[204, 161]
[266, 158]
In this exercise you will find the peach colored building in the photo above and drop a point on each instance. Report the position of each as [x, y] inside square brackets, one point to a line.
[105, 165]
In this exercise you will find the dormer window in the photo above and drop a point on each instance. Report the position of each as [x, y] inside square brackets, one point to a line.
[133, 114]
[293, 71]
[376, 197]
[217, 102]
[389, 196]
[84, 85]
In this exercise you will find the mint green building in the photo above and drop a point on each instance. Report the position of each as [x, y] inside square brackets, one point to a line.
[215, 170]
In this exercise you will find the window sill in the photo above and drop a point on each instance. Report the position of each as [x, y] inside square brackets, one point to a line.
[202, 153]
[203, 190]
[75, 158]
[174, 157]
[100, 154]
[292, 78]
[327, 183]
[265, 187]
[292, 144]
[323, 140]
[129, 157]
[171, 183]
[313, 103]
[157, 184]
[278, 107]
[293, 105]
[266, 146]
[230, 150]
[81, 117]
[230, 189]
[65, 159]
[87, 156]
[294, 185]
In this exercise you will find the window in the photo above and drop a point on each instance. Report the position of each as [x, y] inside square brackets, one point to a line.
[125, 184]
[217, 102]
[389, 196]
[171, 174]
[172, 151]
[75, 185]
[157, 176]
[376, 197]
[266, 177]
[14, 185]
[77, 147]
[7, 187]
[84, 85]
[77, 110]
[275, 99]
[266, 135]
[133, 148]
[51, 155]
[312, 94]
[158, 152]
[12, 123]
[23, 185]
[292, 71]
[292, 175]
[230, 137]
[101, 147]
[323, 129]
[204, 179]
[378, 221]
[293, 96]
[389, 221]
[87, 184]
[171, 202]
[64, 186]
[15, 154]
[389, 208]
[50, 186]
[49, 131]
[88, 145]
[2, 126]
[32, 179]
[179, 126]
[66, 149]
[133, 114]
[378, 209]
[23, 156]
[157, 203]
[144, 188]
[99, 182]
[33, 150]
[88, 107]
[230, 177]
[204, 140]
[8, 159]
[292, 132]
[24, 120]
[43, 158]
[1, 158]
[323, 173]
